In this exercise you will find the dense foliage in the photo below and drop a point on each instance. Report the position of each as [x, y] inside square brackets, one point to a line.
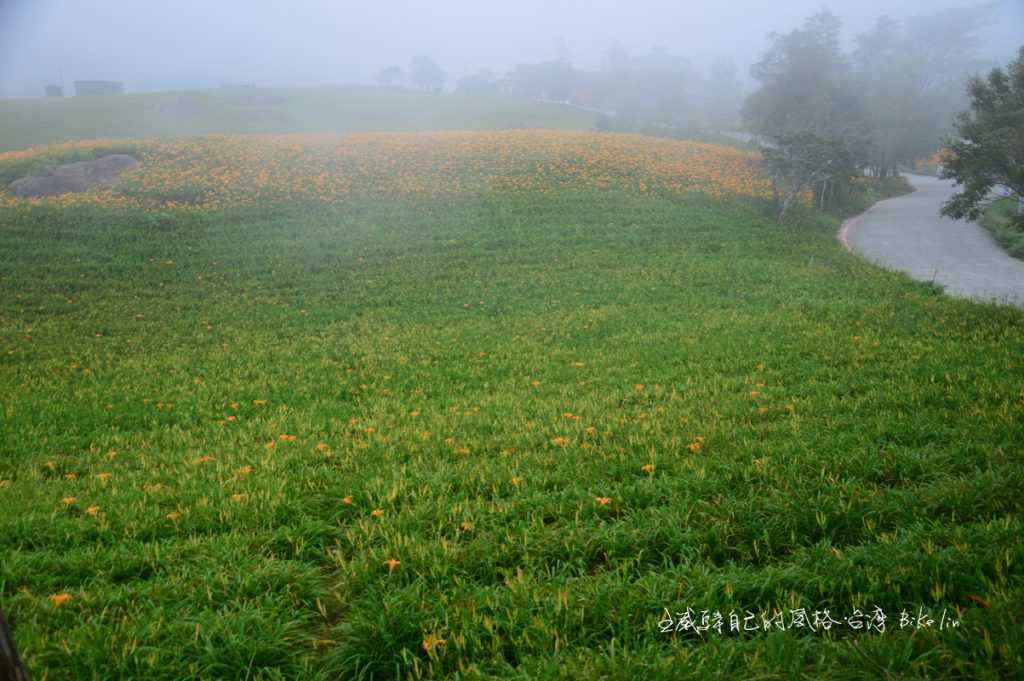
[989, 150]
[888, 104]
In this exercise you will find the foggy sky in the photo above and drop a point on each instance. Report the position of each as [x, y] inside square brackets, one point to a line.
[156, 45]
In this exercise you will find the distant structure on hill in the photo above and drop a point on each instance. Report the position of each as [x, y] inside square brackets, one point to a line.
[98, 88]
[54, 91]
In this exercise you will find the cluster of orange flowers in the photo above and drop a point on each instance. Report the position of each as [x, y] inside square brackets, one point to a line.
[226, 171]
[59, 153]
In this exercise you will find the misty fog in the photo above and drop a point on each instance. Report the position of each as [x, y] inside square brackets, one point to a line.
[195, 44]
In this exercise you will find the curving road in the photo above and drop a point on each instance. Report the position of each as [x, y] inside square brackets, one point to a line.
[907, 233]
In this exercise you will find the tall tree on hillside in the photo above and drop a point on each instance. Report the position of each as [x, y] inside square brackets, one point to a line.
[801, 76]
[426, 74]
[947, 42]
[893, 96]
[911, 75]
[989, 150]
[799, 161]
[806, 112]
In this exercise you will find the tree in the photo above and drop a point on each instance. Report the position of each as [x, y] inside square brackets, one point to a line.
[989, 149]
[802, 160]
[889, 78]
[480, 83]
[652, 87]
[801, 76]
[807, 113]
[390, 76]
[659, 86]
[549, 80]
[911, 76]
[426, 74]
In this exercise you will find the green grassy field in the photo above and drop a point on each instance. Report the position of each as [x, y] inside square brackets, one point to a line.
[27, 122]
[497, 435]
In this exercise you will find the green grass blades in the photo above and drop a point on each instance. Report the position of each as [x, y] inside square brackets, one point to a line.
[496, 437]
[1004, 223]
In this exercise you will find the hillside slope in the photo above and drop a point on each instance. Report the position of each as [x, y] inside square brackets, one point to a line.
[27, 122]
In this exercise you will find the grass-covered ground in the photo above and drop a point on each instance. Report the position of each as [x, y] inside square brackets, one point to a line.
[999, 220]
[339, 109]
[497, 434]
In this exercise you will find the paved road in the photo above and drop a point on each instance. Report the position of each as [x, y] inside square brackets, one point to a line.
[908, 234]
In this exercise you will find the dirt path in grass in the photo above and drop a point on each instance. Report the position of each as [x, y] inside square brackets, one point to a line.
[908, 234]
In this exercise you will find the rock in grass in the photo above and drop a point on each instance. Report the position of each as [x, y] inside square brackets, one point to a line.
[73, 177]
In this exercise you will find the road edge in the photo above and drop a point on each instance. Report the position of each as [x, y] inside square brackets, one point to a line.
[844, 229]
[848, 223]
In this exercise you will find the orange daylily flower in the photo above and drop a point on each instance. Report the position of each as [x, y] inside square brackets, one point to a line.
[59, 599]
[431, 642]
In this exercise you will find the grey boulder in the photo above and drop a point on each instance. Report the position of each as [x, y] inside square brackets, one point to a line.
[73, 177]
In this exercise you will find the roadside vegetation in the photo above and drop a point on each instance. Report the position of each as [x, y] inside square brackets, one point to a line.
[456, 427]
[988, 155]
[1003, 220]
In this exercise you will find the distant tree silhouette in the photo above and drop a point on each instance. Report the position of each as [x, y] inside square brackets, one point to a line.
[806, 112]
[390, 76]
[481, 82]
[426, 74]
[910, 75]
